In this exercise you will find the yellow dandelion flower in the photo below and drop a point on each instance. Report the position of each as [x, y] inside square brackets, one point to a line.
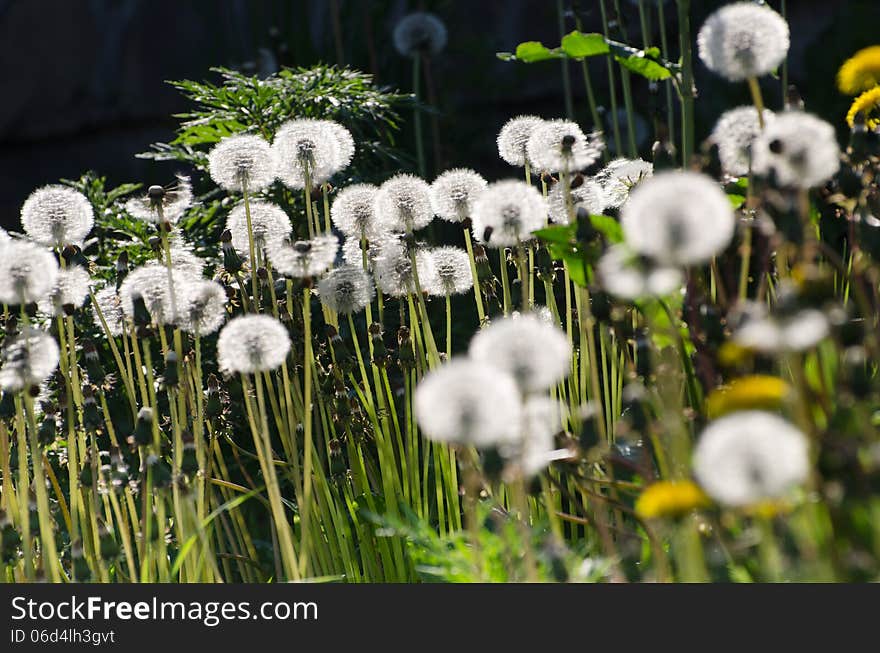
[755, 392]
[731, 354]
[869, 104]
[860, 72]
[670, 499]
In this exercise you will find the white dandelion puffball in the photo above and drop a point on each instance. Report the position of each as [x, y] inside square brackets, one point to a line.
[453, 193]
[353, 211]
[183, 258]
[535, 353]
[450, 272]
[743, 40]
[626, 276]
[71, 289]
[514, 137]
[252, 343]
[619, 178]
[242, 160]
[4, 237]
[542, 419]
[799, 149]
[678, 218]
[393, 269]
[161, 297]
[589, 196]
[798, 331]
[403, 204]
[202, 307]
[734, 133]
[750, 456]
[110, 306]
[507, 213]
[306, 152]
[161, 204]
[28, 359]
[346, 289]
[561, 146]
[419, 33]
[269, 225]
[353, 253]
[27, 272]
[345, 146]
[304, 258]
[467, 402]
[55, 216]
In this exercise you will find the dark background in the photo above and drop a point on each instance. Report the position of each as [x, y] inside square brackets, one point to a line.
[82, 84]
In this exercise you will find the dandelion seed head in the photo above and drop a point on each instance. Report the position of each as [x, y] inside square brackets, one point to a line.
[27, 272]
[346, 289]
[620, 177]
[110, 305]
[756, 329]
[243, 159]
[419, 33]
[626, 276]
[750, 456]
[151, 283]
[70, 289]
[28, 359]
[54, 216]
[798, 148]
[202, 307]
[507, 212]
[743, 40]
[453, 193]
[514, 137]
[403, 204]
[183, 258]
[169, 206]
[589, 196]
[466, 402]
[353, 211]
[678, 218]
[536, 354]
[560, 145]
[306, 150]
[449, 272]
[4, 237]
[393, 268]
[541, 421]
[304, 258]
[269, 223]
[734, 133]
[252, 343]
[345, 146]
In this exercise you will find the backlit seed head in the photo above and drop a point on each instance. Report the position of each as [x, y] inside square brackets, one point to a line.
[304, 258]
[307, 152]
[393, 268]
[514, 138]
[55, 216]
[242, 160]
[743, 40]
[620, 177]
[536, 354]
[626, 276]
[202, 307]
[27, 273]
[269, 224]
[448, 271]
[797, 149]
[588, 196]
[403, 204]
[507, 212]
[419, 33]
[467, 402]
[353, 211]
[71, 289]
[561, 146]
[735, 133]
[150, 283]
[453, 193]
[345, 290]
[28, 359]
[110, 305]
[162, 205]
[252, 343]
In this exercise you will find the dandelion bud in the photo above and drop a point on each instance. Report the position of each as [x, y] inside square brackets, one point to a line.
[663, 153]
[419, 33]
[143, 430]
[242, 161]
[405, 355]
[55, 216]
[189, 463]
[514, 137]
[252, 343]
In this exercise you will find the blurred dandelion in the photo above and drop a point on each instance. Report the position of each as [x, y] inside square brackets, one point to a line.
[868, 104]
[27, 273]
[28, 359]
[55, 216]
[860, 72]
[627, 276]
[799, 149]
[670, 499]
[734, 133]
[797, 330]
[419, 33]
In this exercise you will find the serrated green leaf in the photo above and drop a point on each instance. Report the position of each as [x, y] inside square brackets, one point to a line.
[578, 45]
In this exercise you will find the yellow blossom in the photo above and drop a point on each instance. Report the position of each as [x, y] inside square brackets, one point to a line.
[860, 72]
[755, 392]
[670, 499]
[869, 104]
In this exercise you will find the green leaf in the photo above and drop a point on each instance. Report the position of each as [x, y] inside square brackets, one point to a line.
[577, 269]
[562, 234]
[578, 45]
[647, 68]
[608, 227]
[736, 200]
[532, 51]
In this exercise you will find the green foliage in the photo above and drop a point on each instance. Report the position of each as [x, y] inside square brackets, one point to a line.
[577, 246]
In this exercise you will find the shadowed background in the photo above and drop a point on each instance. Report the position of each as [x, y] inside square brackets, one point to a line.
[83, 81]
